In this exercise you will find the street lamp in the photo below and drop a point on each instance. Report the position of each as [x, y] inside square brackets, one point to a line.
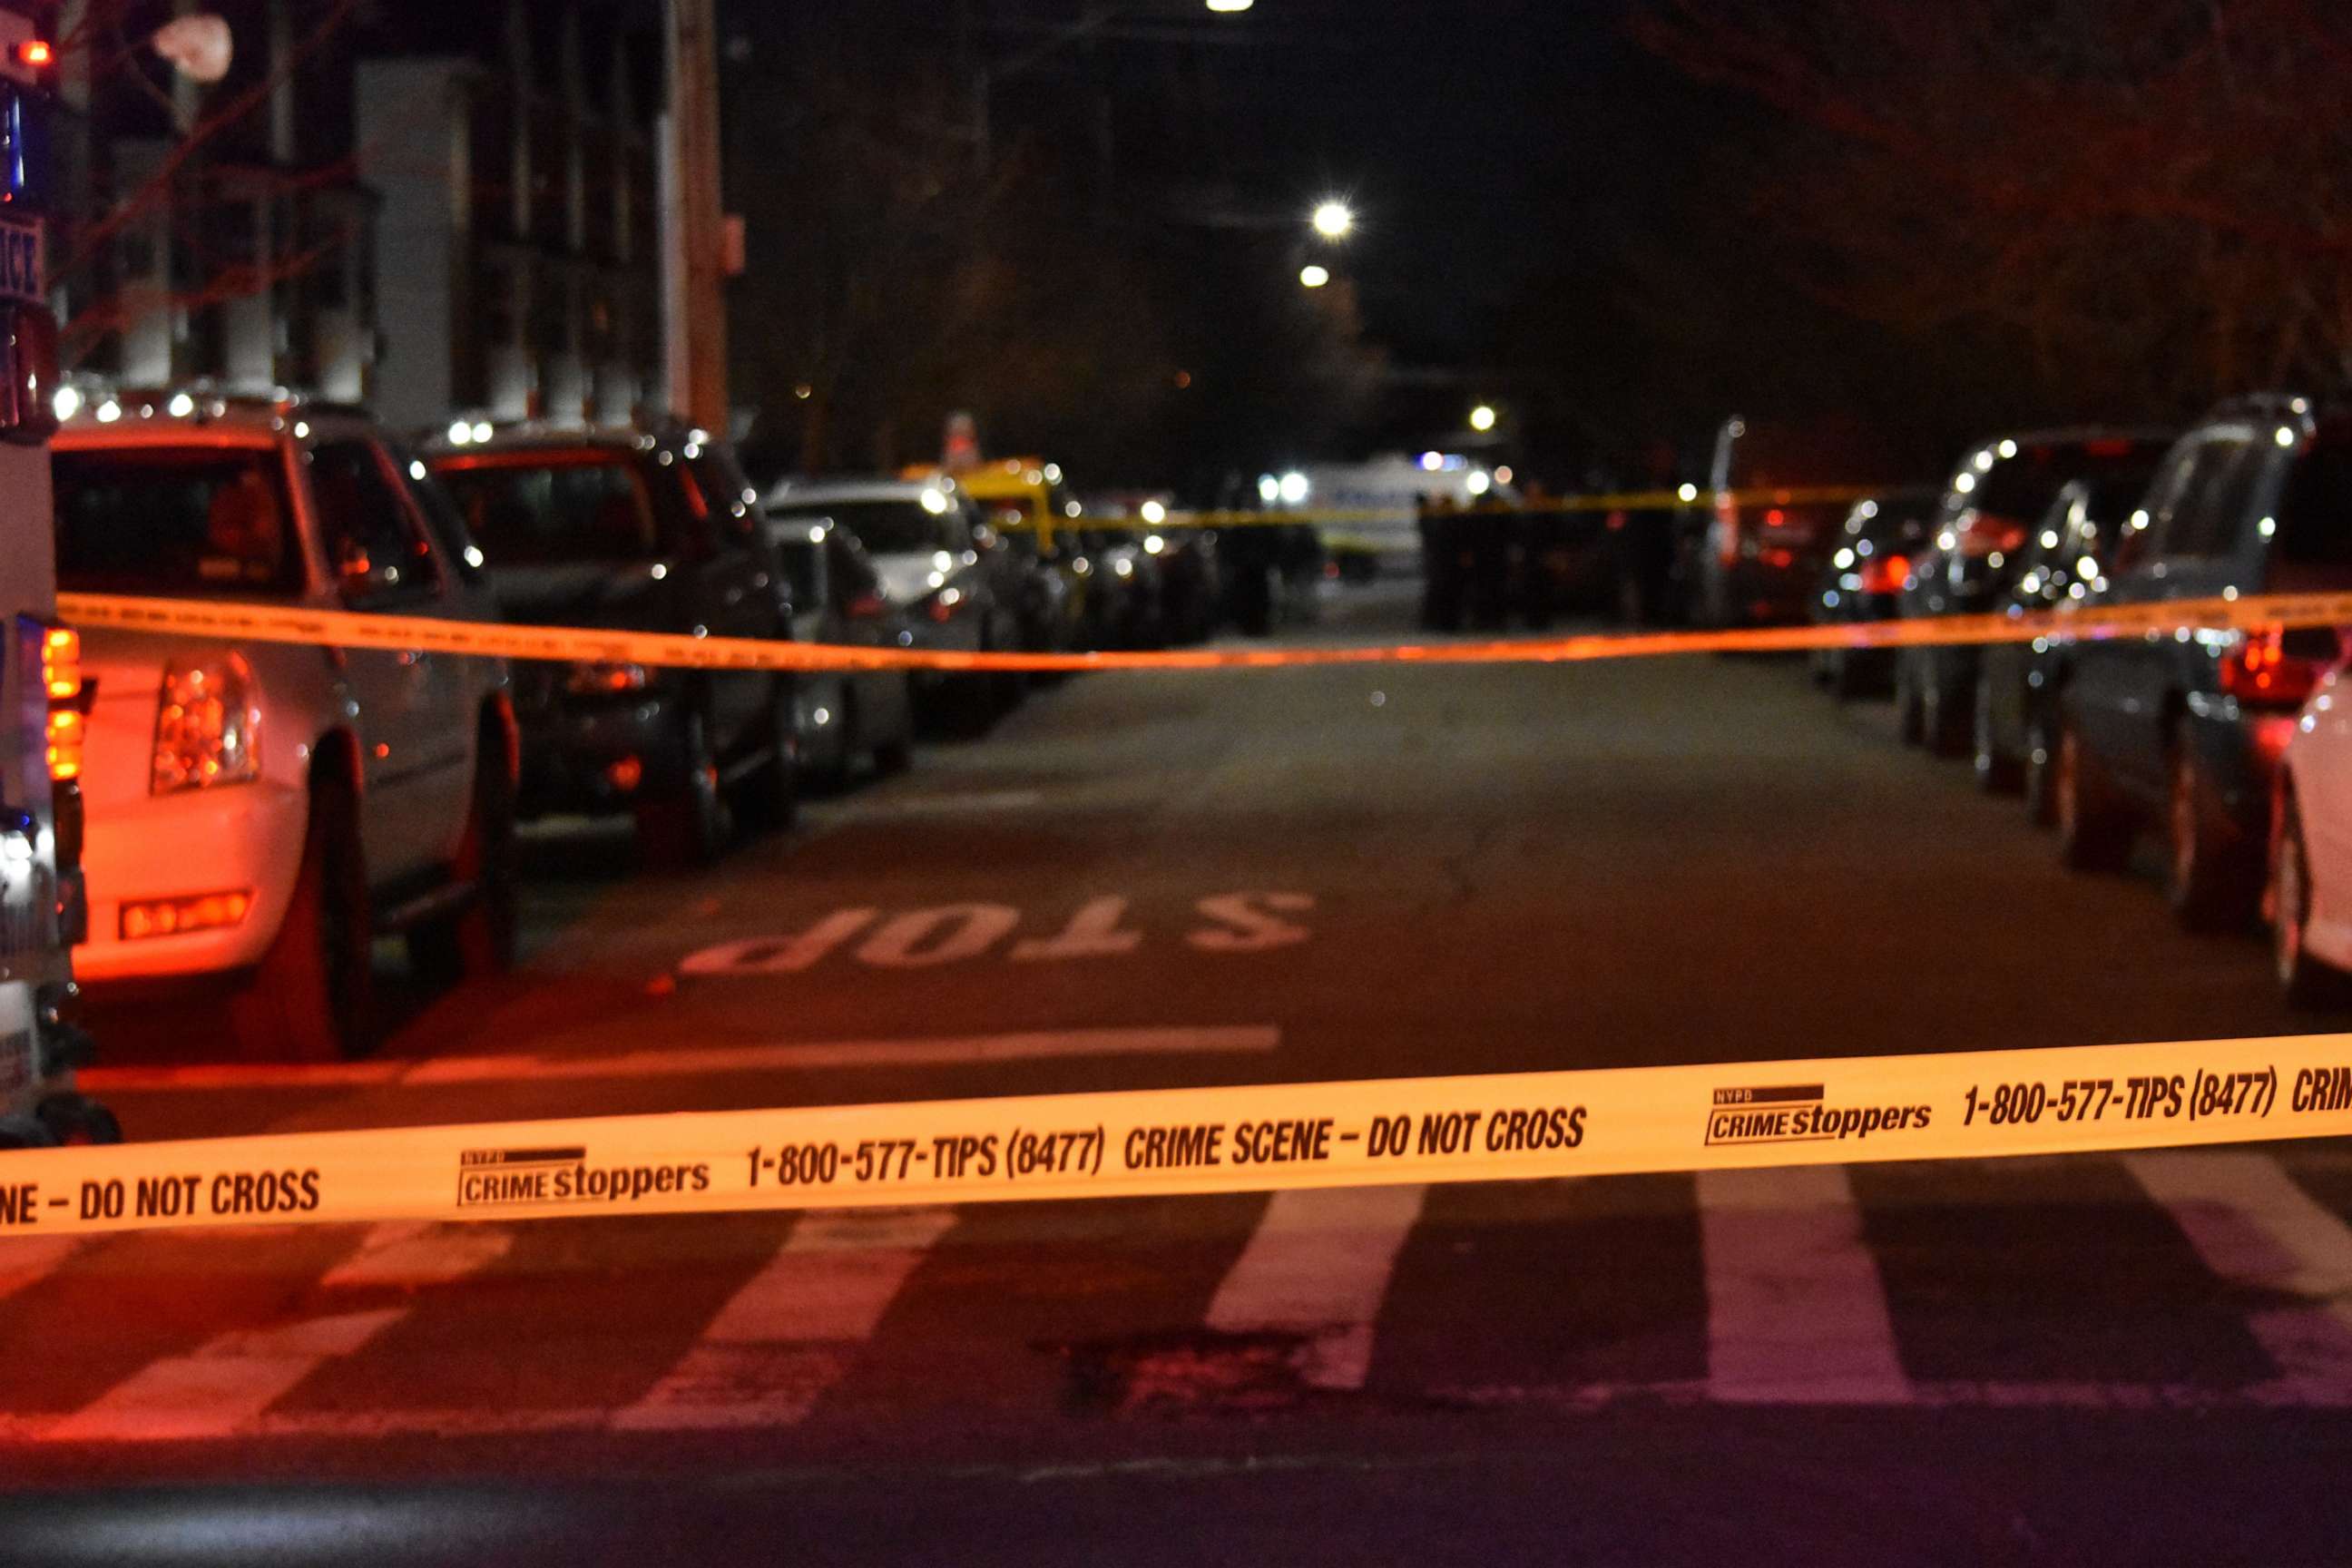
[1313, 276]
[1230, 8]
[1332, 219]
[1482, 419]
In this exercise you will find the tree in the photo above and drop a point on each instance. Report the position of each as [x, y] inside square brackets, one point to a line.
[2137, 205]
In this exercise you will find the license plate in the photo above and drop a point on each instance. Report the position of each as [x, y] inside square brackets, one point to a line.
[21, 261]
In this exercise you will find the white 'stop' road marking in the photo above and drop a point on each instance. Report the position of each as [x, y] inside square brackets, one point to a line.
[781, 1055]
[1796, 1312]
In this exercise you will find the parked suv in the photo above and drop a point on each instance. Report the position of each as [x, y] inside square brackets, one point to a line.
[261, 812]
[1984, 524]
[2183, 732]
[638, 530]
[1769, 526]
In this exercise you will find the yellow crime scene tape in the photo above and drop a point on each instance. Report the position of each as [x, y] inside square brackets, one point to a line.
[1595, 502]
[340, 628]
[1260, 1138]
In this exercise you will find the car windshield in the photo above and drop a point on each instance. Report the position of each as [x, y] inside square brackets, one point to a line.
[885, 527]
[2022, 486]
[178, 522]
[555, 509]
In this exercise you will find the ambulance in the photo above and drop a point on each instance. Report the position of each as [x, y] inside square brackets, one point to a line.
[42, 694]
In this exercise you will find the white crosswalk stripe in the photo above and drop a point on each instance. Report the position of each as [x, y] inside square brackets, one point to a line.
[2257, 1230]
[1796, 1312]
[788, 1334]
[1318, 1264]
[226, 1384]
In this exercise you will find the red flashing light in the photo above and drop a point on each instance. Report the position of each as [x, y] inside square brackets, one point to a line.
[36, 53]
[1885, 574]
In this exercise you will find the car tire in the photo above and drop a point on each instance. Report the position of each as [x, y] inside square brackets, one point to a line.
[688, 824]
[2094, 834]
[478, 940]
[1943, 727]
[313, 999]
[2039, 773]
[2305, 981]
[768, 799]
[1996, 773]
[2204, 881]
[1910, 721]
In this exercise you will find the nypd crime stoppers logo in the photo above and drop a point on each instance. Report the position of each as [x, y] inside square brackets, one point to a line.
[1800, 1114]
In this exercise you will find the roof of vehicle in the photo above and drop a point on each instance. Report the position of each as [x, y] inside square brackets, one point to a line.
[817, 492]
[2080, 436]
[145, 415]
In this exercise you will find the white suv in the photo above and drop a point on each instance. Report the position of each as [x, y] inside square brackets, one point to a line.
[258, 812]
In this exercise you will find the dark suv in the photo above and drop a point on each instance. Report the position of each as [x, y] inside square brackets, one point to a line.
[1983, 526]
[2183, 730]
[647, 530]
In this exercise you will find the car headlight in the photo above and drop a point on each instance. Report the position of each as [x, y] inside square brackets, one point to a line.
[207, 726]
[597, 676]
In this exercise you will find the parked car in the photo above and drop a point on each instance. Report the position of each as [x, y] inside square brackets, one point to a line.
[1862, 581]
[2066, 551]
[1766, 530]
[838, 598]
[1983, 524]
[2183, 732]
[652, 530]
[2308, 895]
[1028, 501]
[939, 561]
[258, 813]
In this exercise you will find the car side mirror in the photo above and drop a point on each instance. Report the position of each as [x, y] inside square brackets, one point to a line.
[360, 577]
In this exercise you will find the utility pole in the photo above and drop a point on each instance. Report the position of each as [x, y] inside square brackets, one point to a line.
[693, 302]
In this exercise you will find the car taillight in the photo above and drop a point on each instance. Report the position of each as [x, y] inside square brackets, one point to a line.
[598, 678]
[866, 608]
[61, 683]
[1982, 533]
[207, 726]
[2264, 671]
[1885, 574]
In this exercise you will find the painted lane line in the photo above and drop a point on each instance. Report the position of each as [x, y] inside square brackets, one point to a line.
[1318, 1264]
[1041, 1045]
[1796, 1311]
[223, 1386]
[2259, 1231]
[790, 1333]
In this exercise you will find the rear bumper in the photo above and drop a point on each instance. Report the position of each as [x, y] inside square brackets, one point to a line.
[2238, 749]
[246, 837]
[571, 750]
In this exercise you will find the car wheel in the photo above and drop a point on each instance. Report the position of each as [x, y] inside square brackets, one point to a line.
[2040, 773]
[688, 824]
[1996, 773]
[313, 996]
[2207, 887]
[478, 940]
[2305, 981]
[769, 797]
[1910, 721]
[2094, 833]
[1943, 727]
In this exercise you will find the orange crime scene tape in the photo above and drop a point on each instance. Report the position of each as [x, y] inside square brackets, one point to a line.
[1251, 1138]
[234, 621]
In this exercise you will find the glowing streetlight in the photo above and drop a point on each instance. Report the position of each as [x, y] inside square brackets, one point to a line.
[1482, 419]
[1332, 219]
[1313, 276]
[1230, 8]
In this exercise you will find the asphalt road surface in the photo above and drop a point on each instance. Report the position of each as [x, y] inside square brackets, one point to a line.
[1155, 880]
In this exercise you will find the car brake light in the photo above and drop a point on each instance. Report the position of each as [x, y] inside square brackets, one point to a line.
[2261, 671]
[866, 608]
[597, 677]
[1885, 574]
[207, 726]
